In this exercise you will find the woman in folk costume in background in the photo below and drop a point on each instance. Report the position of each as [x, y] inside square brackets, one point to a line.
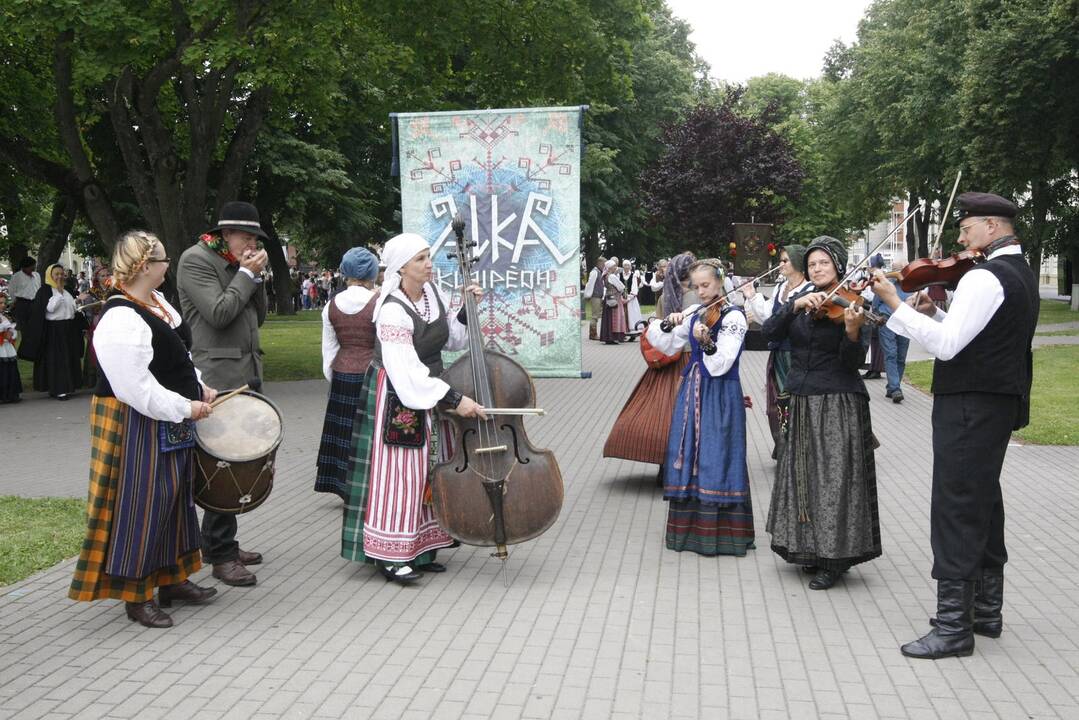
[706, 481]
[612, 328]
[142, 530]
[53, 338]
[793, 284]
[100, 286]
[823, 514]
[640, 432]
[388, 517]
[348, 342]
[631, 279]
[10, 383]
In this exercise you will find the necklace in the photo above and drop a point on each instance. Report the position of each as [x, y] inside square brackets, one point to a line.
[426, 314]
[154, 306]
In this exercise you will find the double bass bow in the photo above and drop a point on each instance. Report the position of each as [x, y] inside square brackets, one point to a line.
[496, 489]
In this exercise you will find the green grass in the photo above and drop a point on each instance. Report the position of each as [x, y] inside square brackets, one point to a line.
[1056, 311]
[293, 346]
[1053, 397]
[37, 533]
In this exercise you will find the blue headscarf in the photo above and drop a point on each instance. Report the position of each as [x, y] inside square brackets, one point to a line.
[360, 264]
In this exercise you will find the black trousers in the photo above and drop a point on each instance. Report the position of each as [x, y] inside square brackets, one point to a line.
[219, 537]
[970, 436]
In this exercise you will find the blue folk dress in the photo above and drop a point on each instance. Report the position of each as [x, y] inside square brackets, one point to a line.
[706, 481]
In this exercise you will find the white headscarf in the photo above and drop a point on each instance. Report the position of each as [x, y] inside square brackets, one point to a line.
[609, 264]
[397, 252]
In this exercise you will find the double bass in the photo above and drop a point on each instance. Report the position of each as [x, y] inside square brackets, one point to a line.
[496, 489]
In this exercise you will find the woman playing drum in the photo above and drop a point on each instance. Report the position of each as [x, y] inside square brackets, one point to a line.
[388, 517]
[142, 529]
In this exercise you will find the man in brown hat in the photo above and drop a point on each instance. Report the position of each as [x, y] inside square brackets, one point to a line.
[981, 393]
[223, 301]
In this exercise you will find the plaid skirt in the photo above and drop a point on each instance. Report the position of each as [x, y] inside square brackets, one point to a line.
[346, 396]
[708, 529]
[141, 519]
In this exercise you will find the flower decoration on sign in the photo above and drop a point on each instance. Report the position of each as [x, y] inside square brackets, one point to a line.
[732, 249]
[772, 249]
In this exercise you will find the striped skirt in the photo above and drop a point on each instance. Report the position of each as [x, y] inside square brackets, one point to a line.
[641, 430]
[708, 529]
[142, 531]
[362, 474]
[346, 395]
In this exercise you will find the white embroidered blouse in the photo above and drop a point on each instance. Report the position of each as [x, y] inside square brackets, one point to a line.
[732, 332]
[410, 378]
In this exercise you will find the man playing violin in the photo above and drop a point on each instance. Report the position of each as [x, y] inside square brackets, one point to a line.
[981, 391]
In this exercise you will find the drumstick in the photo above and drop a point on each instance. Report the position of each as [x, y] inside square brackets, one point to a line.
[225, 397]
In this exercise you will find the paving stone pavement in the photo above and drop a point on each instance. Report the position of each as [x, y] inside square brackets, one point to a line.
[599, 619]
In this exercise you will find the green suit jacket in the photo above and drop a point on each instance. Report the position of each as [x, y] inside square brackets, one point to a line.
[224, 308]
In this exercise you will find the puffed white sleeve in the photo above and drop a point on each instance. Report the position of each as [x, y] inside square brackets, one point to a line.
[671, 342]
[760, 306]
[122, 344]
[330, 346]
[410, 378]
[458, 331]
[729, 338]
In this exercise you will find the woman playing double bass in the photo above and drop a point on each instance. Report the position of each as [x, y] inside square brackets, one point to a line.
[388, 518]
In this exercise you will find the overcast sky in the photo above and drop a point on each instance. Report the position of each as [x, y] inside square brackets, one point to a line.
[746, 38]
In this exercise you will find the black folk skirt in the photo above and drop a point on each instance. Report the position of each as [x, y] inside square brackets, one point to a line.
[59, 369]
[824, 501]
[342, 407]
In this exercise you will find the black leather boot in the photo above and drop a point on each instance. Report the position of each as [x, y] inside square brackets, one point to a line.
[988, 603]
[953, 635]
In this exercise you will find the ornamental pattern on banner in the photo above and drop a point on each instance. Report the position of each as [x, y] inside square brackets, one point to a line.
[514, 175]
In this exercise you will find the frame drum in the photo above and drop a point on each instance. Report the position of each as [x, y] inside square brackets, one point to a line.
[235, 452]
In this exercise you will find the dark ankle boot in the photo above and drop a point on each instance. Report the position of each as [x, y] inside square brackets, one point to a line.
[186, 591]
[953, 635]
[148, 614]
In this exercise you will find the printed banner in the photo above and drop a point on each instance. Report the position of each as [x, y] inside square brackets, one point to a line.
[514, 176]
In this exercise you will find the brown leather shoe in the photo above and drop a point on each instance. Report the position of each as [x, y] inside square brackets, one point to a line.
[232, 572]
[187, 591]
[249, 558]
[148, 614]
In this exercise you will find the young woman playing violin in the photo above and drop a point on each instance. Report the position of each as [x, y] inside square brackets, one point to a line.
[823, 513]
[705, 479]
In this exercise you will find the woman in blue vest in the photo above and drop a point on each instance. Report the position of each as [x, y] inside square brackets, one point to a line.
[705, 479]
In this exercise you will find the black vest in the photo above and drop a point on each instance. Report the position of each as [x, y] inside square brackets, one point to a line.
[998, 359]
[171, 365]
[428, 338]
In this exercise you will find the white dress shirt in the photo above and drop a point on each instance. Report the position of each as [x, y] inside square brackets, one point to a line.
[61, 306]
[944, 335]
[24, 286]
[411, 379]
[122, 344]
[732, 332]
[350, 301]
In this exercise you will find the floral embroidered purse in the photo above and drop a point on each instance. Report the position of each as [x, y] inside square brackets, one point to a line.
[175, 436]
[403, 426]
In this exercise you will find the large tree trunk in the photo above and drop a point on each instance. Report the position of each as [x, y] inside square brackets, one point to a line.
[282, 282]
[64, 210]
[1039, 227]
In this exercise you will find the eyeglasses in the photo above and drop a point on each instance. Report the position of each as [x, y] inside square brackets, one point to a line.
[963, 228]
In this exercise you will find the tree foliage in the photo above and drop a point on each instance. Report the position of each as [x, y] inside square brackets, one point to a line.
[717, 167]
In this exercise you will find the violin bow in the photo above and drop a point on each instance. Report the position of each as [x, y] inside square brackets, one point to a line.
[667, 327]
[858, 266]
[940, 233]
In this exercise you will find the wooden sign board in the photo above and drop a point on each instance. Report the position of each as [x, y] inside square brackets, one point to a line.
[751, 248]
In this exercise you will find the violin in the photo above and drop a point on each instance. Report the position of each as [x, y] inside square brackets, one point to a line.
[496, 488]
[843, 297]
[923, 272]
